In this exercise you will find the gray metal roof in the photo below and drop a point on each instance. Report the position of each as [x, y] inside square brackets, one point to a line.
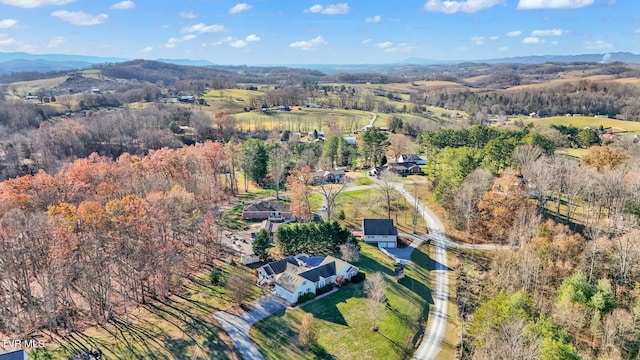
[379, 227]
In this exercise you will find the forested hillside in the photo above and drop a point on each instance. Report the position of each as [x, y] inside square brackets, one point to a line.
[115, 179]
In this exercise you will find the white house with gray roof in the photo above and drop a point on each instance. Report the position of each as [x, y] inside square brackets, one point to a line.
[296, 282]
[269, 273]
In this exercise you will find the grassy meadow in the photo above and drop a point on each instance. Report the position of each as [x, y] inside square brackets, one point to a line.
[618, 126]
[368, 203]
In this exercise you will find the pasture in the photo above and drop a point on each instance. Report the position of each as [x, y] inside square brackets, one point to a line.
[618, 126]
[304, 120]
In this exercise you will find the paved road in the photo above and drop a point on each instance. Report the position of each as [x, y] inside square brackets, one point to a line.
[237, 326]
[431, 342]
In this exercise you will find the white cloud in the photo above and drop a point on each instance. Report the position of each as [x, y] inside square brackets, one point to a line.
[173, 41]
[202, 28]
[7, 23]
[123, 5]
[597, 45]
[548, 32]
[5, 40]
[373, 19]
[390, 47]
[553, 4]
[366, 41]
[238, 8]
[493, 38]
[468, 6]
[188, 15]
[34, 3]
[515, 33]
[330, 9]
[477, 40]
[503, 48]
[223, 40]
[532, 40]
[56, 41]
[312, 44]
[80, 17]
[148, 49]
[238, 44]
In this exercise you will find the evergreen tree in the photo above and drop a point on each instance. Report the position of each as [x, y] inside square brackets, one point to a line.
[260, 244]
[254, 160]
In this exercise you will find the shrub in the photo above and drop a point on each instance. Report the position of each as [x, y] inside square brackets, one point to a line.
[217, 277]
[360, 276]
[306, 297]
[324, 290]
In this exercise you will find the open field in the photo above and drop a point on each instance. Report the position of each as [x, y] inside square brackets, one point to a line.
[304, 120]
[179, 327]
[343, 325]
[22, 88]
[226, 94]
[577, 153]
[367, 203]
[401, 88]
[585, 121]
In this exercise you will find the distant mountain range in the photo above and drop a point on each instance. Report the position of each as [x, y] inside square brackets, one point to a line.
[21, 62]
[624, 57]
[24, 62]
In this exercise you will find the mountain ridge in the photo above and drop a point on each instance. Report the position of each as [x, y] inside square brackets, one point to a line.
[11, 62]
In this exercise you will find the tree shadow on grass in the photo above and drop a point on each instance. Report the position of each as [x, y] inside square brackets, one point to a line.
[398, 347]
[422, 259]
[320, 353]
[326, 308]
[371, 265]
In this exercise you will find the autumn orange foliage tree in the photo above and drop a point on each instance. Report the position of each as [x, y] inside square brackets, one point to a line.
[499, 206]
[102, 235]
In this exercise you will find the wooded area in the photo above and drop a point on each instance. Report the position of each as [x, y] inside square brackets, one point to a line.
[100, 236]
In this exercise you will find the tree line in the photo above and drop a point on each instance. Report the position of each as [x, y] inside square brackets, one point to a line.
[102, 235]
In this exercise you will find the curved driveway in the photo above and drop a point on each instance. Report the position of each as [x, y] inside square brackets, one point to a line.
[431, 342]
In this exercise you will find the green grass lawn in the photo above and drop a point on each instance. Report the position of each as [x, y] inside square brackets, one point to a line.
[316, 200]
[368, 203]
[364, 180]
[343, 322]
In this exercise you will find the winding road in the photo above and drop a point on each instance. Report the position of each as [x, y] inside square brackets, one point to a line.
[237, 326]
[432, 340]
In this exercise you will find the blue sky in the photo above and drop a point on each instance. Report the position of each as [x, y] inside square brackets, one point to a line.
[316, 32]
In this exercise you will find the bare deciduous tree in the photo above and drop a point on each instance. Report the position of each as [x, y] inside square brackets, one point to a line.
[349, 253]
[375, 286]
[279, 159]
[238, 286]
[387, 190]
[330, 192]
[308, 333]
